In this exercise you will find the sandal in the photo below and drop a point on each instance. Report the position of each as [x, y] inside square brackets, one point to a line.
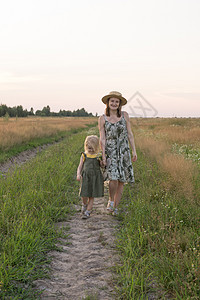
[110, 206]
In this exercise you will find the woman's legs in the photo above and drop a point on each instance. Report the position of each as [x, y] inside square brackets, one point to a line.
[112, 189]
[118, 193]
[115, 191]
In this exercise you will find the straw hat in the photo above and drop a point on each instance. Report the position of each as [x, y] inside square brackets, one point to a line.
[114, 94]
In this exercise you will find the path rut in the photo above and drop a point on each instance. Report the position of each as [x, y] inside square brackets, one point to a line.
[20, 159]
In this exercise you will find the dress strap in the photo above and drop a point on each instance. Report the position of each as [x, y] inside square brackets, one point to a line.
[84, 155]
[105, 117]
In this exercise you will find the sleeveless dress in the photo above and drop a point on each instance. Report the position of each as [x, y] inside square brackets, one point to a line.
[92, 184]
[119, 165]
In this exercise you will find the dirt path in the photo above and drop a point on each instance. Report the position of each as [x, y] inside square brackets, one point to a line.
[84, 268]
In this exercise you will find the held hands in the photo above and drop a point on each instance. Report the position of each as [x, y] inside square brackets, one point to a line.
[103, 162]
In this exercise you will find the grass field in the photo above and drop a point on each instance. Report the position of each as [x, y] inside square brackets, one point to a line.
[17, 135]
[158, 237]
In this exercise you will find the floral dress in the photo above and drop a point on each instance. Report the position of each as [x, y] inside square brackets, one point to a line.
[119, 165]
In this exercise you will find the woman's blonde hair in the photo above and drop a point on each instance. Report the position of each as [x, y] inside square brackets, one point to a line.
[119, 113]
[93, 142]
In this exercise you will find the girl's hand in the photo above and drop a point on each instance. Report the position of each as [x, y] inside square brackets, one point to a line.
[78, 177]
[134, 158]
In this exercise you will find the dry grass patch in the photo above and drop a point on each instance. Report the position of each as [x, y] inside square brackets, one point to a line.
[17, 131]
[181, 135]
[182, 172]
[152, 147]
[172, 130]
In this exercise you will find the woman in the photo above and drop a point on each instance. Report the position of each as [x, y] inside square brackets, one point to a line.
[115, 135]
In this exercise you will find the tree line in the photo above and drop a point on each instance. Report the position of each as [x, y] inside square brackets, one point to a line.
[19, 111]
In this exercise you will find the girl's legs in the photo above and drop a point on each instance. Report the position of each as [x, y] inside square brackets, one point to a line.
[85, 200]
[84, 204]
[90, 203]
[88, 209]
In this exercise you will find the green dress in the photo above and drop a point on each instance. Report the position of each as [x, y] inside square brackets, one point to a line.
[119, 165]
[92, 184]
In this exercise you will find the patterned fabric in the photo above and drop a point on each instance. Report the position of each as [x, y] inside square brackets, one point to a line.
[119, 165]
[92, 178]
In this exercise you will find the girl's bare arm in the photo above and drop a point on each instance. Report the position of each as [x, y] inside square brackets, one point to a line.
[78, 177]
[130, 136]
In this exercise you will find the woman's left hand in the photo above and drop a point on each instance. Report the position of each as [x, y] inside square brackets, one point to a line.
[134, 158]
[104, 161]
[102, 164]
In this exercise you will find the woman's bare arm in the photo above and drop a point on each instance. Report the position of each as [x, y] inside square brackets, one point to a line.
[101, 123]
[130, 136]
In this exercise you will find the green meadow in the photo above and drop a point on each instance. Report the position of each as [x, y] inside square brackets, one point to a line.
[159, 234]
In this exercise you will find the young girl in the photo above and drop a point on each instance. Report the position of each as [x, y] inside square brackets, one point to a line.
[89, 173]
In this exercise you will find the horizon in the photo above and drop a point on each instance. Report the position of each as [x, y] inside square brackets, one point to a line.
[93, 115]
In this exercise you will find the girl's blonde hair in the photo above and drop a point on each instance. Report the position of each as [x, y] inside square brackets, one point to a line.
[93, 142]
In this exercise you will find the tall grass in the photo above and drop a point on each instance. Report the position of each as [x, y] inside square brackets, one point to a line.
[159, 239]
[22, 130]
[32, 199]
[182, 173]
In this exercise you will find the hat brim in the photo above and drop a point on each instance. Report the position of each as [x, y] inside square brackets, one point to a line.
[105, 98]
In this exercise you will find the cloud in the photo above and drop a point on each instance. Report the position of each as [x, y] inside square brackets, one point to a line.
[184, 95]
[10, 81]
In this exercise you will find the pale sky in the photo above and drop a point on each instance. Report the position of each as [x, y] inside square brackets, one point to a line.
[69, 54]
